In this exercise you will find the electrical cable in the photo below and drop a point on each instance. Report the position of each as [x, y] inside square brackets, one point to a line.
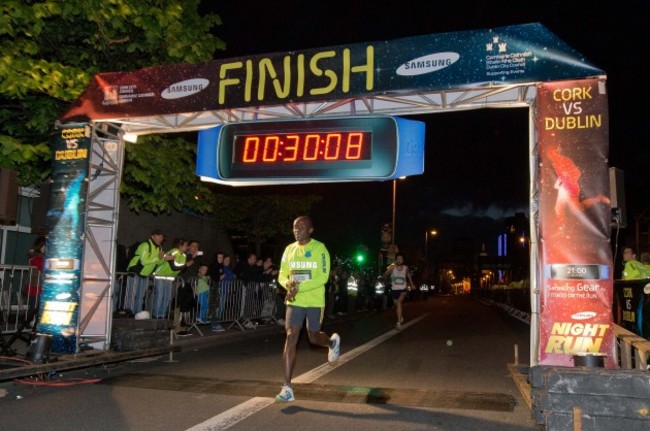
[618, 229]
[11, 358]
[73, 381]
[43, 382]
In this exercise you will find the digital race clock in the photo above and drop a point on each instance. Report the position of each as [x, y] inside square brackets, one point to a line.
[311, 150]
[293, 149]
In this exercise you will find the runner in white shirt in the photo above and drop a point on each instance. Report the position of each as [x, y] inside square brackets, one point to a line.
[401, 283]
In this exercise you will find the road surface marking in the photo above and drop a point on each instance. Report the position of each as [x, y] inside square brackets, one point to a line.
[248, 408]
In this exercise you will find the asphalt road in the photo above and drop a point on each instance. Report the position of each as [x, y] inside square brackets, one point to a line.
[447, 369]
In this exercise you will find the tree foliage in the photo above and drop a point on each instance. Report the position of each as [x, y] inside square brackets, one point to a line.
[261, 218]
[157, 176]
[49, 51]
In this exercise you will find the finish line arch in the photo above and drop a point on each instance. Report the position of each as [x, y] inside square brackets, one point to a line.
[516, 66]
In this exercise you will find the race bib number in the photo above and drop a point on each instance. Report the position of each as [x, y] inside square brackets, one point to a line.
[300, 276]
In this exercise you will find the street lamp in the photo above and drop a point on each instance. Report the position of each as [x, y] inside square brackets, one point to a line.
[394, 206]
[525, 258]
[431, 232]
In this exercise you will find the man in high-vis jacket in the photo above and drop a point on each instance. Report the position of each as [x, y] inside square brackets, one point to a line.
[148, 255]
[633, 269]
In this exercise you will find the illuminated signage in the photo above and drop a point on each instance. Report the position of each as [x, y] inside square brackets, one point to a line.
[351, 148]
[292, 149]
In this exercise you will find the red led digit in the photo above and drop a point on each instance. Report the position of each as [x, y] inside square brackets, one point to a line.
[354, 146]
[310, 152]
[271, 146]
[291, 148]
[332, 146]
[251, 148]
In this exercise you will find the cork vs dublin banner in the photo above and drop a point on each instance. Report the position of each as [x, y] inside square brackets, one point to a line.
[66, 223]
[574, 222]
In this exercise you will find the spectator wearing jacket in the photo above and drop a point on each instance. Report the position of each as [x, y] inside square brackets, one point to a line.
[645, 260]
[33, 289]
[633, 269]
[164, 275]
[193, 260]
[215, 268]
[225, 284]
[148, 255]
[202, 291]
[249, 270]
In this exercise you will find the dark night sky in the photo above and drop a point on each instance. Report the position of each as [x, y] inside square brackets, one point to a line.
[476, 168]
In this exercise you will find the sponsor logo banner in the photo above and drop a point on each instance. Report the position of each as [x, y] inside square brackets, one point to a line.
[59, 304]
[574, 222]
[494, 57]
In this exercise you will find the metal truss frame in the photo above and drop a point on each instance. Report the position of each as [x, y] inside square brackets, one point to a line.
[507, 96]
[98, 275]
[102, 209]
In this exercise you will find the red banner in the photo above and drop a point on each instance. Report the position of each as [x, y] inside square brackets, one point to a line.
[574, 222]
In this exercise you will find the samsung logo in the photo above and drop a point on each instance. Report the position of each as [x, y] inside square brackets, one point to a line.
[428, 63]
[583, 315]
[185, 88]
[303, 265]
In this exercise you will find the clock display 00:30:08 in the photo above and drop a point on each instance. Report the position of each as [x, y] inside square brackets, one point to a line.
[302, 147]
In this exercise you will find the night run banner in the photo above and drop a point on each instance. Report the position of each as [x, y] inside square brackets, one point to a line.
[495, 57]
[66, 223]
[574, 222]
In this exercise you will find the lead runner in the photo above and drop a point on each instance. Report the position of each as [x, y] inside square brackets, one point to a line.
[304, 270]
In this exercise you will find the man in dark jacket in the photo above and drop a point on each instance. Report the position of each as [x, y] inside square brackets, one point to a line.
[248, 270]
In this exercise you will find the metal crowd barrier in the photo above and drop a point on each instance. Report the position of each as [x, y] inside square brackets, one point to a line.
[156, 295]
[18, 310]
[632, 348]
[258, 304]
[234, 303]
[240, 304]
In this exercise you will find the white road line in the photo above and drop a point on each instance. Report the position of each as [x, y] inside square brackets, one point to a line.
[248, 408]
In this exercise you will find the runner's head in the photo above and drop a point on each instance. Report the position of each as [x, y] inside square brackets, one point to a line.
[302, 229]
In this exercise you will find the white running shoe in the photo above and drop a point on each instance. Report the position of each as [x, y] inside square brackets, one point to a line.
[335, 348]
[285, 395]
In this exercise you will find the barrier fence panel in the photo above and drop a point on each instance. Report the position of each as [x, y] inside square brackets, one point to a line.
[169, 301]
[119, 291]
[259, 304]
[134, 294]
[192, 304]
[145, 309]
[235, 303]
[19, 301]
[239, 304]
[230, 303]
[156, 295]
